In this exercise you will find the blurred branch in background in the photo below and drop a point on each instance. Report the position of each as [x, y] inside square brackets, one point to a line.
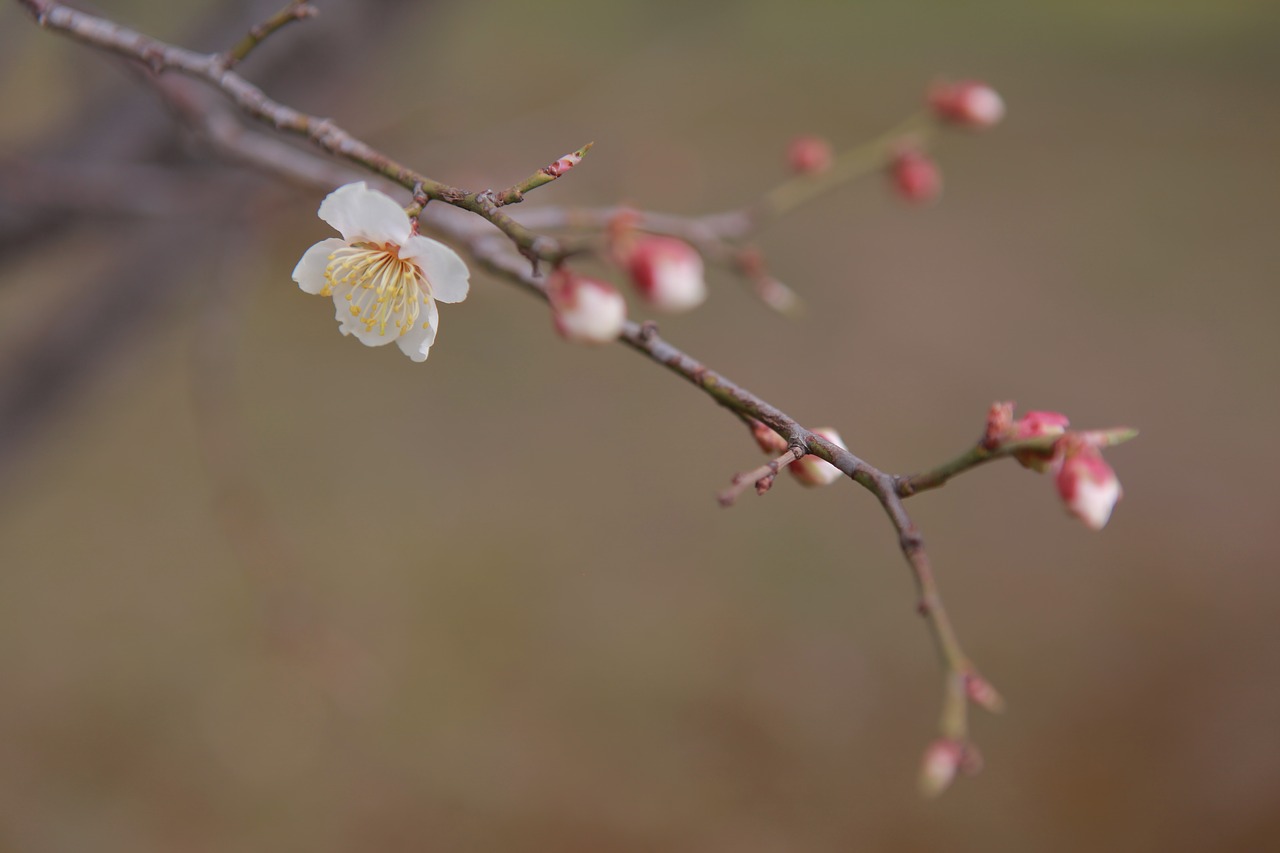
[164, 187]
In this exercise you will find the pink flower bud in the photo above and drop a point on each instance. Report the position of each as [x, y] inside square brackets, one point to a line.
[981, 693]
[914, 176]
[667, 272]
[999, 422]
[1037, 425]
[770, 442]
[966, 103]
[808, 155]
[1087, 484]
[585, 310]
[812, 471]
[941, 762]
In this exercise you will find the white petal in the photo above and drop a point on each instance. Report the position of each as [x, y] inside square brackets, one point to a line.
[417, 341]
[680, 284]
[349, 324]
[362, 214]
[1094, 501]
[446, 273]
[596, 315]
[309, 273]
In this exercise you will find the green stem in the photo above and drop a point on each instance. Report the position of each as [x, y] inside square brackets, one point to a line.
[850, 164]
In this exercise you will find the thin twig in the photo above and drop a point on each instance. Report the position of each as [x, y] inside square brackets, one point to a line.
[295, 10]
[321, 132]
[761, 478]
[515, 194]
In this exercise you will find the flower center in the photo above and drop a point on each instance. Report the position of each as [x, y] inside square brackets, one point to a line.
[383, 289]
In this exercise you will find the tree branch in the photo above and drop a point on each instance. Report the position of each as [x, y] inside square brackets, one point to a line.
[720, 236]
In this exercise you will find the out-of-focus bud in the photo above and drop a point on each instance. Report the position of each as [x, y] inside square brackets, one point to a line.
[982, 694]
[667, 272]
[770, 442]
[966, 103]
[1037, 425]
[1088, 485]
[808, 155]
[941, 762]
[971, 760]
[914, 176]
[999, 422]
[811, 470]
[585, 310]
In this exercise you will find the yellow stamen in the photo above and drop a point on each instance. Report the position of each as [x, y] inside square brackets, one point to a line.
[385, 290]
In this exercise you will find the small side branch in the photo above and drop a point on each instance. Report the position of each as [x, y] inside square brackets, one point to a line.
[983, 452]
[761, 477]
[515, 194]
[296, 10]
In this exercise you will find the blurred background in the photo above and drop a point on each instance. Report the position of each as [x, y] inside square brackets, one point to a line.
[266, 589]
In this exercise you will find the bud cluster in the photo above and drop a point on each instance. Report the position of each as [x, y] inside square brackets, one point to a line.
[1087, 485]
[666, 272]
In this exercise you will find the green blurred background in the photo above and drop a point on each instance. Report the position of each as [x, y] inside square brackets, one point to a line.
[265, 589]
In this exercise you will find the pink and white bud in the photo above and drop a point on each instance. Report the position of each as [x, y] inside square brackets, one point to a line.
[585, 310]
[809, 155]
[966, 103]
[770, 442]
[812, 471]
[914, 176]
[982, 694]
[564, 164]
[1088, 485]
[667, 272]
[1037, 425]
[941, 763]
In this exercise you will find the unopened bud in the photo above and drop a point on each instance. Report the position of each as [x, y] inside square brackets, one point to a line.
[567, 162]
[770, 442]
[941, 762]
[914, 176]
[1037, 425]
[667, 272]
[809, 155]
[966, 103]
[999, 422]
[982, 694]
[812, 471]
[585, 310]
[1088, 485]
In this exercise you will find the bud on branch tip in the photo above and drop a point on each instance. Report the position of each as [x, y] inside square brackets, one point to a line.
[966, 103]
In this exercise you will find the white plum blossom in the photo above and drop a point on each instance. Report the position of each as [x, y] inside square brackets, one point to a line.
[384, 277]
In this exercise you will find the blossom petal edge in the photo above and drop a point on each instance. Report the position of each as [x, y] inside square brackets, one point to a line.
[310, 271]
[446, 273]
[361, 214]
